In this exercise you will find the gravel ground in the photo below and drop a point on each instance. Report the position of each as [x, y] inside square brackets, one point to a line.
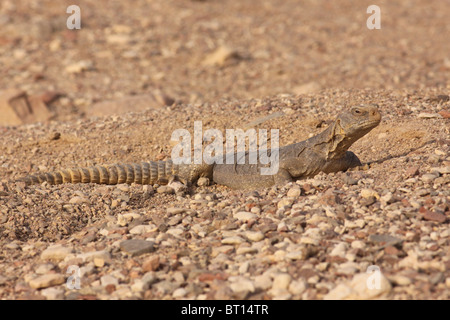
[312, 239]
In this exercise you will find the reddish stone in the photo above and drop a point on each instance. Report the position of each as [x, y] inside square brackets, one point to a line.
[209, 276]
[151, 264]
[432, 216]
[392, 250]
[412, 171]
[329, 198]
[434, 247]
[110, 288]
[445, 114]
[406, 203]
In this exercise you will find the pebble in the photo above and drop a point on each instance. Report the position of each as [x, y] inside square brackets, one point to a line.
[428, 177]
[294, 192]
[165, 189]
[357, 244]
[220, 56]
[53, 293]
[400, 280]
[203, 182]
[175, 211]
[383, 239]
[143, 228]
[254, 236]
[145, 282]
[242, 285]
[358, 289]
[78, 200]
[233, 240]
[245, 216]
[369, 193]
[433, 216]
[137, 247]
[107, 280]
[412, 171]
[80, 66]
[281, 281]
[179, 293]
[91, 256]
[56, 253]
[339, 250]
[297, 255]
[44, 268]
[47, 280]
[298, 287]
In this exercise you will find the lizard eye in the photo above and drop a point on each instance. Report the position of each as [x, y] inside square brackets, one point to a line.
[356, 112]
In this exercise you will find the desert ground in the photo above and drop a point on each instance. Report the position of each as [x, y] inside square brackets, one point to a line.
[115, 90]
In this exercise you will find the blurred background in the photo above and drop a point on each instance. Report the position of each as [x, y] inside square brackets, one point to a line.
[153, 53]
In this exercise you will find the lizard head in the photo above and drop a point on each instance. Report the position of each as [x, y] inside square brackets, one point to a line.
[353, 124]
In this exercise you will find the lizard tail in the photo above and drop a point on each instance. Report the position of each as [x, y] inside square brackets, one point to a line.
[142, 173]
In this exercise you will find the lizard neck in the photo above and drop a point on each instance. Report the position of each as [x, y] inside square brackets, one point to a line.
[332, 142]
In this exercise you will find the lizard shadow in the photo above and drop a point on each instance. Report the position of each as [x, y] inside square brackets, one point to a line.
[390, 156]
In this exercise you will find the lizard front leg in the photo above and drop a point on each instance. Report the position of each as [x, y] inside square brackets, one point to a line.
[347, 161]
[282, 177]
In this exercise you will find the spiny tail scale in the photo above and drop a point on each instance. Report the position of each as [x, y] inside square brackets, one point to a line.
[142, 173]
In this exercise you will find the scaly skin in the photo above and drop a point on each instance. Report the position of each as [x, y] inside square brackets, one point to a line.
[325, 152]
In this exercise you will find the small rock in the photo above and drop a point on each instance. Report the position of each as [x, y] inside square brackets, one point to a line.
[109, 280]
[363, 286]
[78, 200]
[242, 285]
[151, 263]
[339, 250]
[118, 39]
[99, 262]
[80, 66]
[432, 216]
[383, 239]
[425, 115]
[294, 192]
[281, 281]
[369, 193]
[445, 114]
[233, 240]
[175, 211]
[178, 187]
[263, 282]
[165, 189]
[137, 247]
[203, 182]
[254, 236]
[285, 202]
[412, 171]
[428, 177]
[221, 56]
[245, 216]
[44, 268]
[357, 244]
[53, 293]
[179, 293]
[143, 228]
[297, 287]
[56, 253]
[144, 283]
[297, 255]
[45, 281]
[91, 256]
[400, 280]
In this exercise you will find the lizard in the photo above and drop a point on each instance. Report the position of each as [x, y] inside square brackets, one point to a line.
[325, 152]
